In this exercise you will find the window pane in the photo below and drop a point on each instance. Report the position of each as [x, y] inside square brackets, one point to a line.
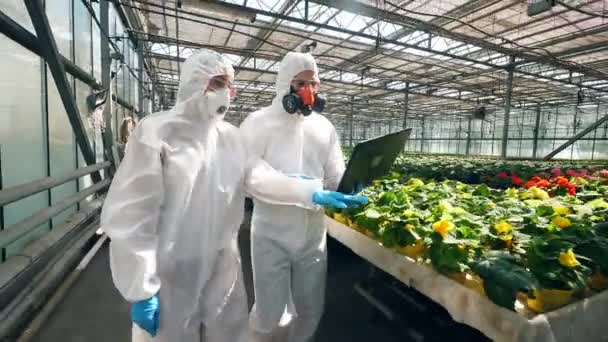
[96, 52]
[61, 25]
[22, 133]
[82, 36]
[82, 91]
[17, 11]
[62, 150]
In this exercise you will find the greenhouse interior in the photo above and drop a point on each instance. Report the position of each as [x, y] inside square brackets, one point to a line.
[466, 196]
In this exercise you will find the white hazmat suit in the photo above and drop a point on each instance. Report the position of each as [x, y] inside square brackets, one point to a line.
[289, 242]
[175, 207]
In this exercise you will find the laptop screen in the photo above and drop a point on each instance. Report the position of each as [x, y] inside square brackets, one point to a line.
[372, 159]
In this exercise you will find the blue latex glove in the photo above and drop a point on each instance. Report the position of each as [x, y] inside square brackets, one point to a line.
[145, 314]
[336, 199]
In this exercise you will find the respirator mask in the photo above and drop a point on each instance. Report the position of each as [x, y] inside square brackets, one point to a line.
[305, 100]
[214, 103]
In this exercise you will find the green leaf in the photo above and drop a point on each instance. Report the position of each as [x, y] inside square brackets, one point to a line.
[447, 258]
[503, 278]
[372, 213]
[601, 229]
[598, 204]
[544, 210]
[390, 237]
[482, 190]
[596, 250]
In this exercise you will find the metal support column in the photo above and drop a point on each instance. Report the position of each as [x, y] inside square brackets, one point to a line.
[422, 136]
[574, 126]
[579, 135]
[53, 59]
[469, 126]
[597, 116]
[106, 62]
[505, 128]
[350, 121]
[406, 104]
[153, 97]
[179, 74]
[140, 75]
[459, 135]
[536, 131]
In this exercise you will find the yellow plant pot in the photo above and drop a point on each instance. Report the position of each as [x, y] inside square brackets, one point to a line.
[549, 299]
[475, 283]
[413, 251]
[469, 280]
[356, 227]
[458, 277]
[370, 234]
[598, 281]
[341, 218]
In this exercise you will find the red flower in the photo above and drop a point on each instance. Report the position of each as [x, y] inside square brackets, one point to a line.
[604, 173]
[543, 183]
[571, 189]
[556, 172]
[529, 184]
[535, 179]
[561, 180]
[571, 173]
[516, 180]
[502, 175]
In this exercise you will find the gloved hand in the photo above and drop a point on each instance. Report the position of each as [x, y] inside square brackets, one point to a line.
[145, 314]
[336, 199]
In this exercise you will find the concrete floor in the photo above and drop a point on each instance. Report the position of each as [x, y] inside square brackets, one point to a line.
[94, 311]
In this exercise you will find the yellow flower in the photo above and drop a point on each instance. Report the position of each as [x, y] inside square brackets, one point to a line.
[561, 210]
[561, 222]
[568, 259]
[579, 180]
[511, 192]
[416, 182]
[490, 205]
[539, 193]
[442, 227]
[503, 227]
[410, 226]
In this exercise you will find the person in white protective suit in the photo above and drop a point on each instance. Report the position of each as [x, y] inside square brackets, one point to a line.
[174, 210]
[289, 242]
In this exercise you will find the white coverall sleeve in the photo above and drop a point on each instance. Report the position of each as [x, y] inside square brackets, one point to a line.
[268, 185]
[264, 182]
[334, 166]
[130, 217]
